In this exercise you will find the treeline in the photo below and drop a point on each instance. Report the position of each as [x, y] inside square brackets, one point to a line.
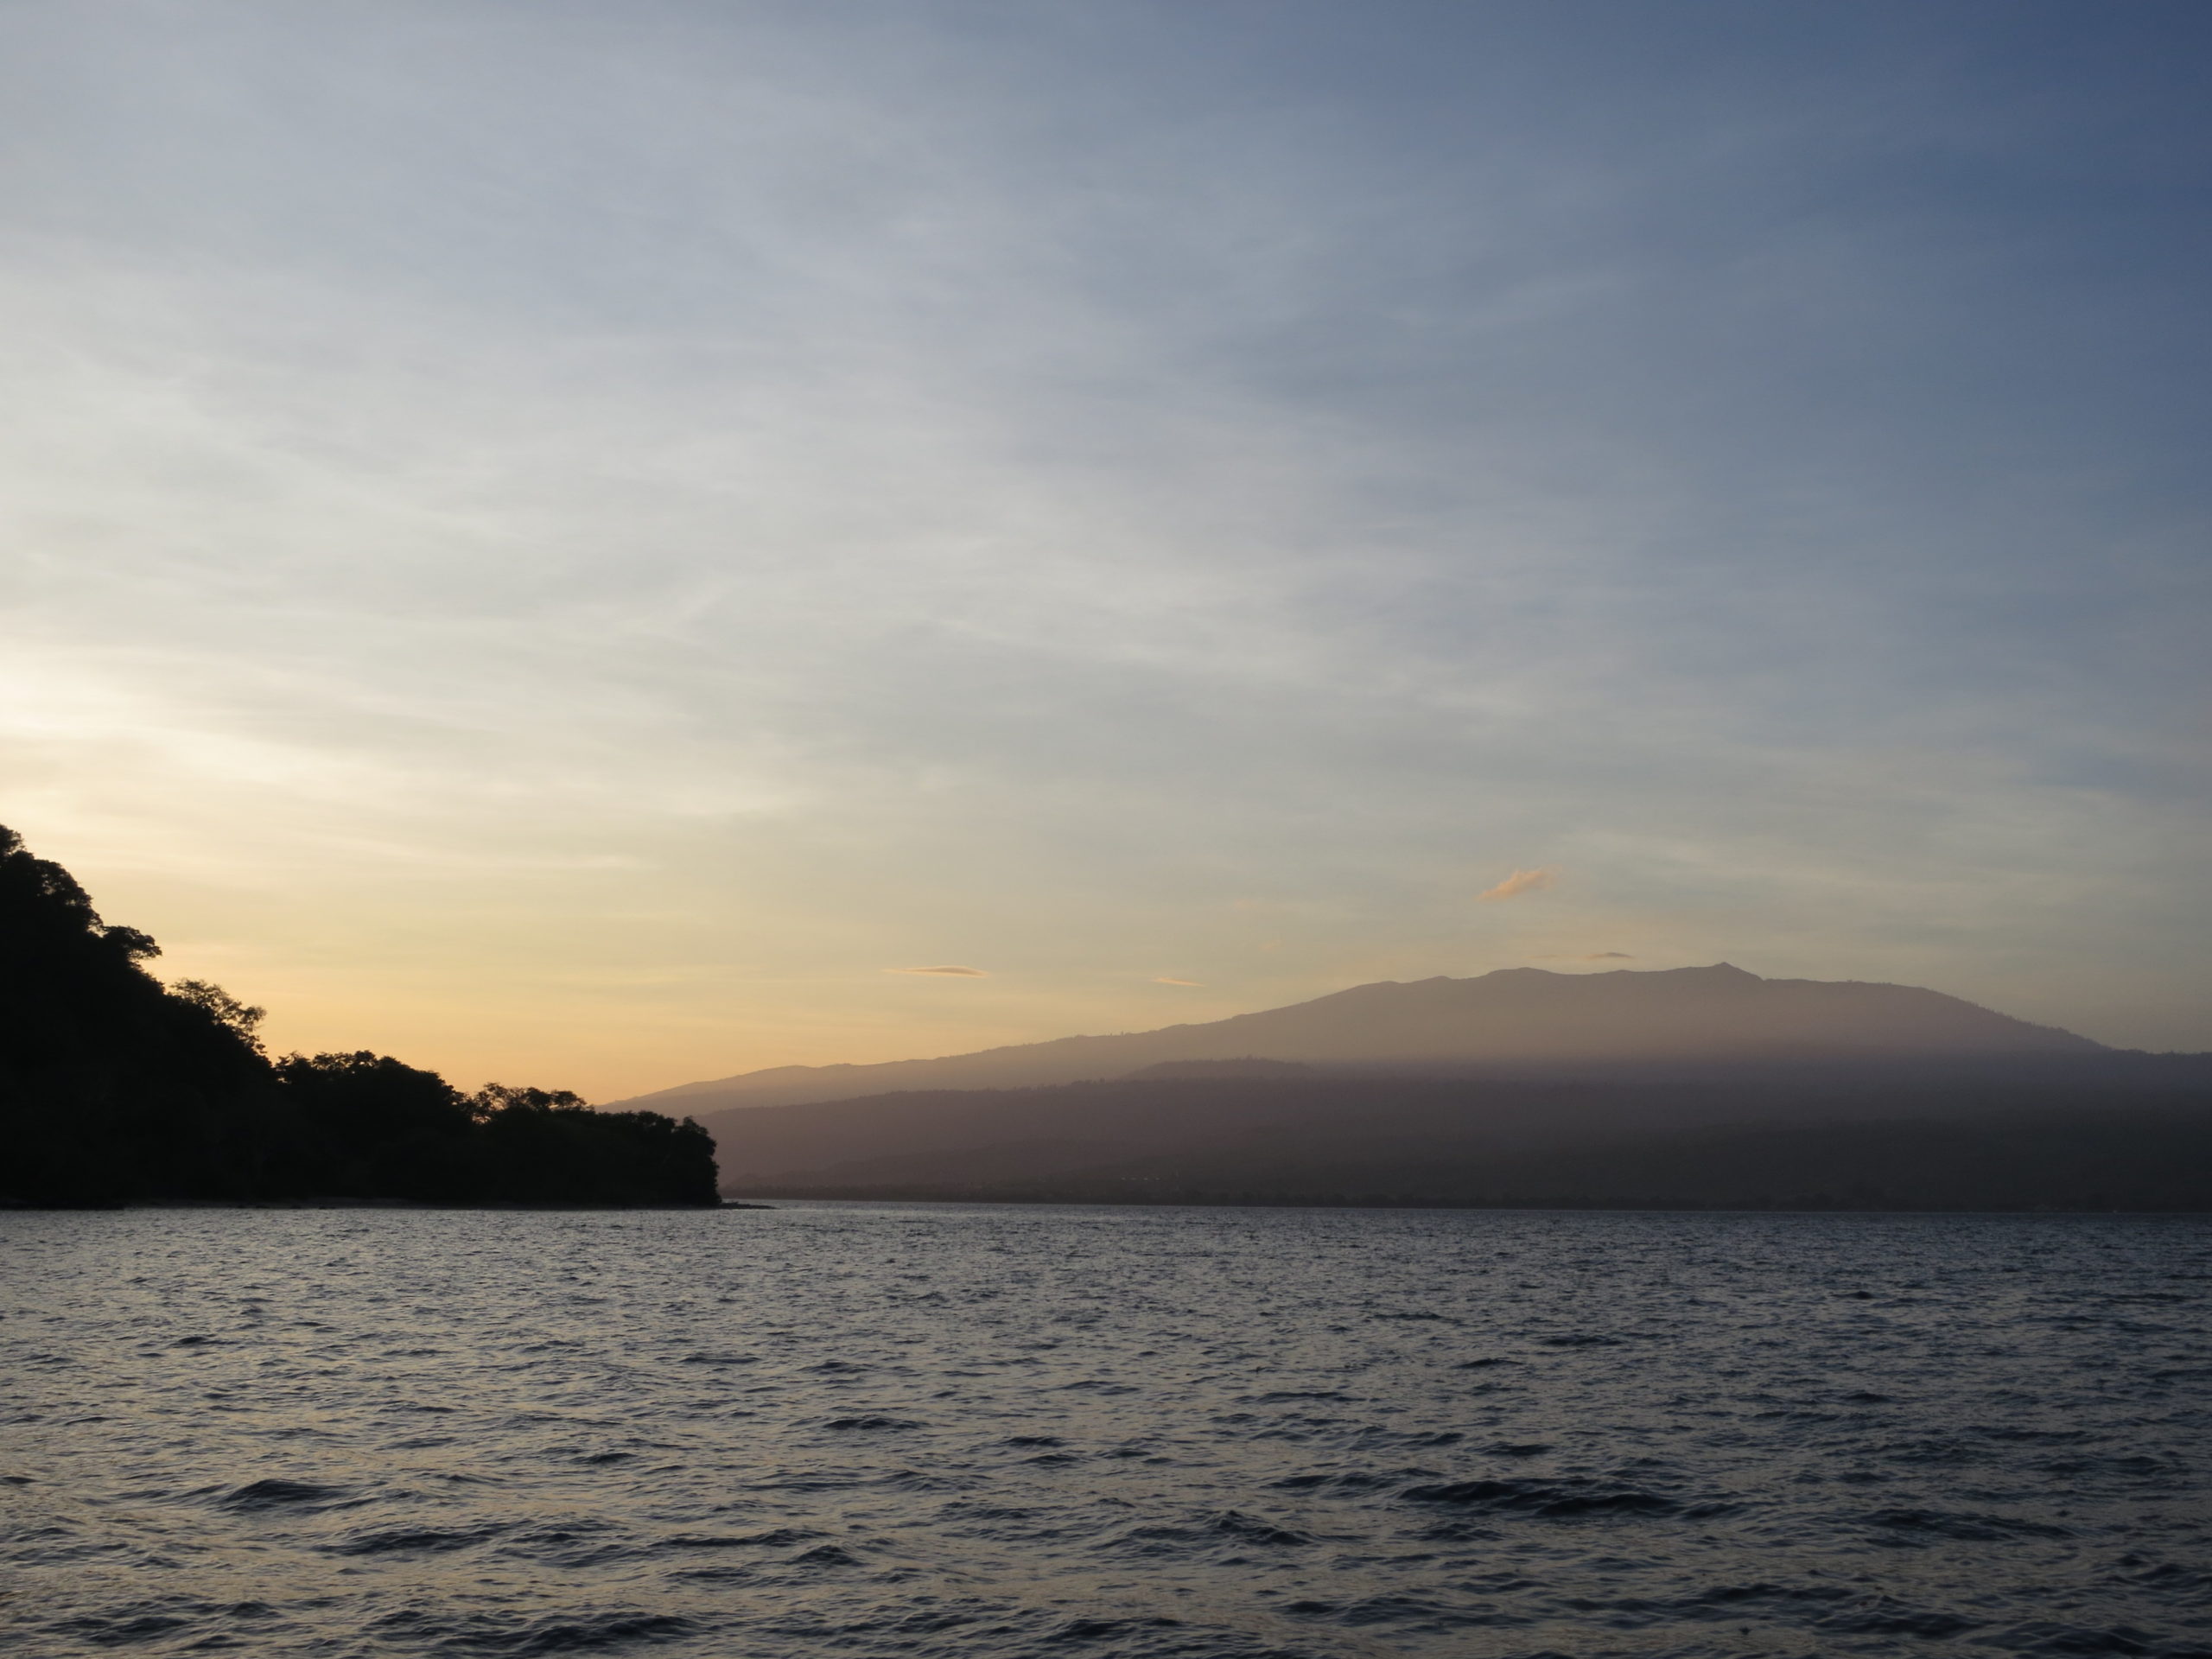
[115, 1088]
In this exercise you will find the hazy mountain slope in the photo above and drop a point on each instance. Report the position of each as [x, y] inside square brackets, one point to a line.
[1517, 1016]
[1025, 1133]
[2048, 1153]
[1245, 1132]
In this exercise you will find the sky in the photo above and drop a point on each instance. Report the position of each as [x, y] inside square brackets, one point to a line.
[602, 546]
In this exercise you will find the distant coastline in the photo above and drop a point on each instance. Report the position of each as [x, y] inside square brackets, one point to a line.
[1690, 1089]
[1625, 1208]
[549, 1207]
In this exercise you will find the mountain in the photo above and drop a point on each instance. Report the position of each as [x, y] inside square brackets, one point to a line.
[1312, 1134]
[1516, 1019]
[1698, 1088]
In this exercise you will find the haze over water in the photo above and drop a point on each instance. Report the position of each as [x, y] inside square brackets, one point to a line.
[981, 1430]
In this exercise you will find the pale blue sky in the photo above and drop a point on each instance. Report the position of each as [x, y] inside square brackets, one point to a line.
[566, 540]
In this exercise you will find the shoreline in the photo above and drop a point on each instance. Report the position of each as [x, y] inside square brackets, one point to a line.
[374, 1204]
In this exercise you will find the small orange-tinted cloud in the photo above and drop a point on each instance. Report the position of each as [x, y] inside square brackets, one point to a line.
[949, 973]
[1164, 979]
[1519, 882]
[1609, 956]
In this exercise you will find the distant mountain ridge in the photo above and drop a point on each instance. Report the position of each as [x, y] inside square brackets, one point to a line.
[1525, 1018]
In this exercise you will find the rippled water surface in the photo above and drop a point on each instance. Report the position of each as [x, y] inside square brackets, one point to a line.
[987, 1431]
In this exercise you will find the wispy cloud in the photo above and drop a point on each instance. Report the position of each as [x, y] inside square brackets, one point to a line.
[1167, 979]
[1519, 882]
[1609, 955]
[425, 619]
[948, 972]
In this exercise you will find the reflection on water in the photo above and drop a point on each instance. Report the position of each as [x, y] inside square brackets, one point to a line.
[984, 1431]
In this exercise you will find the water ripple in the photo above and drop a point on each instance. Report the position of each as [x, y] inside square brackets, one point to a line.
[973, 1431]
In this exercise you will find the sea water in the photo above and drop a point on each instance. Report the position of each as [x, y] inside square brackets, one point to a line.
[995, 1430]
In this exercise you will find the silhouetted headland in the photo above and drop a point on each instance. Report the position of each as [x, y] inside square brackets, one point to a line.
[117, 1089]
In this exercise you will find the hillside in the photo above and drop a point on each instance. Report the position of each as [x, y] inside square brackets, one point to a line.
[2092, 1155]
[1516, 1018]
[115, 1088]
[1323, 1135]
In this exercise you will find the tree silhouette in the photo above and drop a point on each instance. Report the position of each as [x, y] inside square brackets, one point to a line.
[219, 1005]
[114, 1088]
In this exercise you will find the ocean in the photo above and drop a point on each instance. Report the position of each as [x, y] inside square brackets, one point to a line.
[977, 1430]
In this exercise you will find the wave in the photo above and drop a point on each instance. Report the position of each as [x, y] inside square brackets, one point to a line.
[1554, 1501]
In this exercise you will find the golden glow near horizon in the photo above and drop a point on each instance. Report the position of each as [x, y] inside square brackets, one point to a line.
[565, 978]
[606, 558]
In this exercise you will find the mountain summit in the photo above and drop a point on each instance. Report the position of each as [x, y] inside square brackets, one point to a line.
[1515, 1018]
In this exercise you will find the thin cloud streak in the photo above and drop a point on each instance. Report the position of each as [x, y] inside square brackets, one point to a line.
[1519, 884]
[949, 973]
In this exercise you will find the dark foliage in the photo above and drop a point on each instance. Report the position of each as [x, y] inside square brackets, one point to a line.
[552, 1147]
[110, 1084]
[373, 1128]
[115, 1088]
